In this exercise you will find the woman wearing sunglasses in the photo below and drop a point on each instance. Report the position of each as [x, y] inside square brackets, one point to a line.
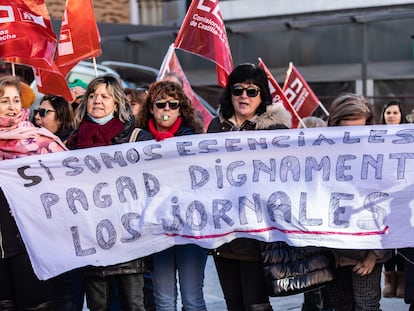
[246, 104]
[55, 114]
[168, 113]
[105, 118]
[20, 289]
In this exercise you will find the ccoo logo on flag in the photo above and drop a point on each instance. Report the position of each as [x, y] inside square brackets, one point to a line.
[31, 18]
[65, 46]
[6, 14]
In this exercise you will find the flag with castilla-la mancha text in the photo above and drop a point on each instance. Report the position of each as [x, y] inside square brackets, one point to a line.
[26, 33]
[203, 33]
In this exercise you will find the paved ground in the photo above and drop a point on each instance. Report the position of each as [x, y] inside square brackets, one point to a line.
[215, 301]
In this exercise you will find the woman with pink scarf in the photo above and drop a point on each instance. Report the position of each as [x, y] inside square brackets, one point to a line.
[20, 289]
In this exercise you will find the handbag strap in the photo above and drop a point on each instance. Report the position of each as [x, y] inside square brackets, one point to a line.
[134, 134]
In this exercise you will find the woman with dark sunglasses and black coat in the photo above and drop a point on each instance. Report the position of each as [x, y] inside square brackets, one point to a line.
[245, 105]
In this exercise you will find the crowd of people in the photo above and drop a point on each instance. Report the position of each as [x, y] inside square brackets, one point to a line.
[104, 113]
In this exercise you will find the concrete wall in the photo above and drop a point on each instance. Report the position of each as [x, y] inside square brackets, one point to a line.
[243, 9]
[107, 11]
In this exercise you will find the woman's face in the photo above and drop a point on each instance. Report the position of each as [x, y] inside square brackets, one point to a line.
[136, 107]
[10, 102]
[392, 115]
[245, 106]
[100, 103]
[46, 117]
[166, 111]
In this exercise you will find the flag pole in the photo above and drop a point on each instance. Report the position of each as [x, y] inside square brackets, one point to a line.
[287, 101]
[165, 63]
[13, 69]
[95, 66]
[323, 109]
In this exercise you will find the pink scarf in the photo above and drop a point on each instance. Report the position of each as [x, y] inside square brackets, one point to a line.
[19, 138]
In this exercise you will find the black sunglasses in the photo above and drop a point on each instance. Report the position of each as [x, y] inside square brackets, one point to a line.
[251, 91]
[172, 104]
[42, 112]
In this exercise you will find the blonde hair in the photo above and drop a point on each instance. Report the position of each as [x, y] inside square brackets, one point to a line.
[115, 89]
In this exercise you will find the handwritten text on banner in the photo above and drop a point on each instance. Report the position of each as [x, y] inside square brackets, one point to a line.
[342, 187]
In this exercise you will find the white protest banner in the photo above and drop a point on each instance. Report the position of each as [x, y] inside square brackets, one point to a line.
[339, 187]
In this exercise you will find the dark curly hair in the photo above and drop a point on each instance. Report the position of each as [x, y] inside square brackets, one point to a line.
[163, 89]
[246, 73]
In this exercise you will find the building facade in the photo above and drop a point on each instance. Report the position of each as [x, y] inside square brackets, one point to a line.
[339, 46]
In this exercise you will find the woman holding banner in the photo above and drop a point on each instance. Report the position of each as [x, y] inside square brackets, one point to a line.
[358, 278]
[168, 113]
[105, 118]
[245, 105]
[20, 289]
[394, 277]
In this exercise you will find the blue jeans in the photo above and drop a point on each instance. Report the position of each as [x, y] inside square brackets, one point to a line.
[189, 261]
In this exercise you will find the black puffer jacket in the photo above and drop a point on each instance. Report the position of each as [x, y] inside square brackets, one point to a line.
[290, 270]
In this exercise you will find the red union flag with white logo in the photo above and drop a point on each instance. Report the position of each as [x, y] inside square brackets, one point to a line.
[298, 92]
[79, 36]
[278, 95]
[203, 33]
[78, 40]
[26, 34]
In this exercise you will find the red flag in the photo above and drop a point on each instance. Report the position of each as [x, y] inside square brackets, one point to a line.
[299, 93]
[79, 36]
[78, 40]
[52, 82]
[27, 36]
[203, 33]
[278, 95]
[171, 64]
